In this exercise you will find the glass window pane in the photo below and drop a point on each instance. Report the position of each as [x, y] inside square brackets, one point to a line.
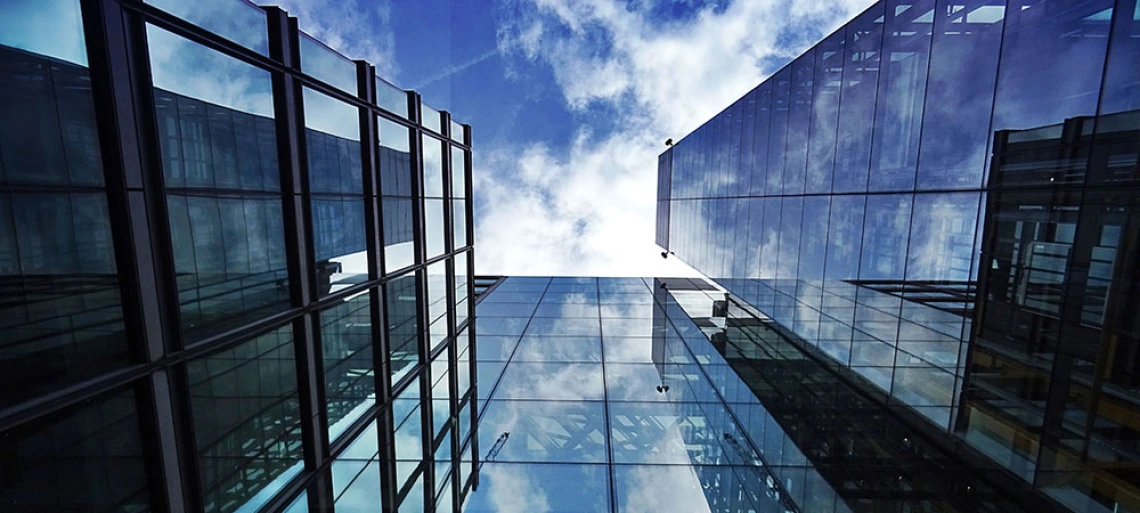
[327, 65]
[680, 433]
[551, 381]
[346, 340]
[397, 193]
[89, 458]
[336, 184]
[363, 494]
[857, 100]
[559, 349]
[902, 88]
[502, 486]
[959, 97]
[456, 131]
[409, 449]
[247, 424]
[237, 20]
[391, 98]
[458, 172]
[433, 167]
[696, 489]
[401, 295]
[462, 289]
[886, 229]
[828, 78]
[219, 158]
[799, 119]
[62, 317]
[437, 291]
[551, 431]
[435, 232]
[431, 119]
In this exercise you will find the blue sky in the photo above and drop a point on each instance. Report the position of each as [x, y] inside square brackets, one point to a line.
[570, 103]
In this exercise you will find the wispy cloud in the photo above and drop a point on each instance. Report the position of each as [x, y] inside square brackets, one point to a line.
[589, 209]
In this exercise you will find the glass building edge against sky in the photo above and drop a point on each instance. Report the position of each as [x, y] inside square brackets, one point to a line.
[898, 249]
[224, 347]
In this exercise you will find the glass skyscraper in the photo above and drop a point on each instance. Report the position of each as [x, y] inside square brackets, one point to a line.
[941, 197]
[236, 269]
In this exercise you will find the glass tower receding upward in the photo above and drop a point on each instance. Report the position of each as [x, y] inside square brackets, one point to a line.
[234, 265]
[602, 395]
[942, 197]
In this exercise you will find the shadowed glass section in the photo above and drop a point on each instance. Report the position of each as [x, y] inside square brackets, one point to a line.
[347, 345]
[219, 161]
[62, 317]
[86, 458]
[247, 424]
[336, 186]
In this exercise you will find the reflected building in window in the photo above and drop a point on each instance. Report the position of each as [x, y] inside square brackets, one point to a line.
[222, 293]
[674, 395]
[908, 198]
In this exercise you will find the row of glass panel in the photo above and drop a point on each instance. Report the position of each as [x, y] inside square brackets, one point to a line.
[223, 195]
[244, 404]
[907, 95]
[246, 24]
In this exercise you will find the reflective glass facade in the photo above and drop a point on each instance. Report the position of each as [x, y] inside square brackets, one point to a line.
[223, 289]
[940, 197]
[630, 394]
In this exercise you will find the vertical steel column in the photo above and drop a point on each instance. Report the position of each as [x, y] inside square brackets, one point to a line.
[121, 87]
[283, 47]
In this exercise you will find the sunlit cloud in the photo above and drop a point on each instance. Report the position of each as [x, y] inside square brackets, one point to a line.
[589, 208]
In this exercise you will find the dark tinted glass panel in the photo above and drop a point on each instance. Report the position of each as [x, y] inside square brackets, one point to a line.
[336, 183]
[62, 319]
[346, 342]
[86, 459]
[401, 298]
[397, 193]
[247, 424]
[219, 159]
[959, 98]
[857, 100]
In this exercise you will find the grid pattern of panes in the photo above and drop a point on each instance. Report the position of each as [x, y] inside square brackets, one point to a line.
[632, 391]
[845, 197]
[225, 291]
[569, 375]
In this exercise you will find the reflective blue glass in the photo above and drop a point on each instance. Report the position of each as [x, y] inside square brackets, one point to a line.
[541, 487]
[559, 349]
[959, 99]
[902, 89]
[538, 431]
[551, 381]
[778, 130]
[827, 81]
[326, 64]
[857, 100]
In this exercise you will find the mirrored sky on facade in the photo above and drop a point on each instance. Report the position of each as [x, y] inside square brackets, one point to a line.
[570, 103]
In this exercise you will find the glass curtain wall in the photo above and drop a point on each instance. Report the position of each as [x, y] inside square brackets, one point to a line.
[212, 291]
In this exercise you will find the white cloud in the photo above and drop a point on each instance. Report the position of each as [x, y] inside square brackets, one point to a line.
[591, 209]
